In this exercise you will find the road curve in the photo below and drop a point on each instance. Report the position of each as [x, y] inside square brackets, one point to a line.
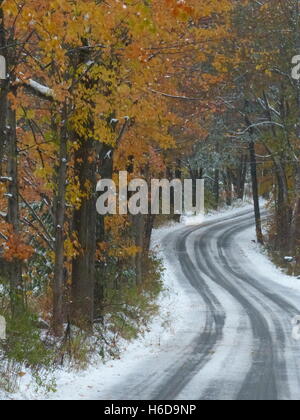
[243, 349]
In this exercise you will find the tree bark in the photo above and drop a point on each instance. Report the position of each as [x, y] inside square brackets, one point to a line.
[150, 219]
[239, 178]
[253, 165]
[4, 86]
[296, 212]
[60, 208]
[216, 188]
[228, 187]
[14, 267]
[139, 232]
[84, 225]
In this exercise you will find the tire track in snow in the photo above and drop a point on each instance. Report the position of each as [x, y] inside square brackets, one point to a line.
[209, 248]
[269, 315]
[279, 313]
[211, 340]
[203, 348]
[243, 349]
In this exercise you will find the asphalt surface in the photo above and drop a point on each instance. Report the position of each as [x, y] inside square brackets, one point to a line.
[243, 348]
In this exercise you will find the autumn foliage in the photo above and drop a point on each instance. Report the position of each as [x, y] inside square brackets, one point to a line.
[95, 88]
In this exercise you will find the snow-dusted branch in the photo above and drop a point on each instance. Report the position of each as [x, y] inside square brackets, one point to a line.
[260, 124]
[48, 237]
[166, 95]
[5, 238]
[2, 68]
[267, 107]
[3, 215]
[41, 89]
[38, 88]
[288, 76]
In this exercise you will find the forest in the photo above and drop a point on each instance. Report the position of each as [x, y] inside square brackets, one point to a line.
[185, 89]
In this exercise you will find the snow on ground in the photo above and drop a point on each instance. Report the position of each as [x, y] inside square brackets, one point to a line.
[262, 263]
[214, 215]
[92, 383]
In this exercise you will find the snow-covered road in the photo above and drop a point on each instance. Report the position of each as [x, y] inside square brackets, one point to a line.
[224, 329]
[237, 342]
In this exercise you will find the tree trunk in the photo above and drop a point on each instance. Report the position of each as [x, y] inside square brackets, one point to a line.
[150, 219]
[241, 178]
[60, 208]
[3, 117]
[216, 189]
[8, 133]
[3, 92]
[296, 212]
[228, 187]
[14, 267]
[178, 175]
[139, 232]
[253, 165]
[283, 208]
[283, 216]
[84, 225]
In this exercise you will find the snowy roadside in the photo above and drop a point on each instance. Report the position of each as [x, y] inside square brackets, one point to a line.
[98, 378]
[262, 263]
[95, 382]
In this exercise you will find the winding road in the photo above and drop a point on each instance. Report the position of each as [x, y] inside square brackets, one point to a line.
[239, 345]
